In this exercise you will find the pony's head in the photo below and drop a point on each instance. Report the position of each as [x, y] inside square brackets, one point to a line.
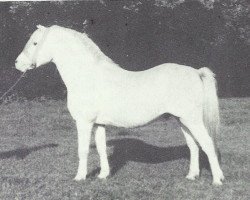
[36, 52]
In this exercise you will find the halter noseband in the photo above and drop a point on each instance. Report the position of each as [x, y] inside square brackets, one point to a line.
[39, 45]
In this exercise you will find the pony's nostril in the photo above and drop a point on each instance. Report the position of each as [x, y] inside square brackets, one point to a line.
[15, 61]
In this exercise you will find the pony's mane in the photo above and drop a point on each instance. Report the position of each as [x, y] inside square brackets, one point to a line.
[87, 42]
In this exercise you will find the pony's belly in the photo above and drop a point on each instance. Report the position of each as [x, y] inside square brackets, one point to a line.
[125, 118]
[129, 111]
[126, 123]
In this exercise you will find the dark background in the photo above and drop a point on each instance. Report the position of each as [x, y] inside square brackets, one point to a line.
[137, 35]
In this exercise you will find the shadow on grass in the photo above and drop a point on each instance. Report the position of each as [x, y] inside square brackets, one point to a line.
[21, 153]
[129, 149]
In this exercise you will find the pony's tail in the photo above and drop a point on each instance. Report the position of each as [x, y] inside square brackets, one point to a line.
[211, 115]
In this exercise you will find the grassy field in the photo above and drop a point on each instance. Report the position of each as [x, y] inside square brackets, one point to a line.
[38, 157]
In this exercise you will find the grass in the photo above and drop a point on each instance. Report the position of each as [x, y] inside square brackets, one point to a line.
[38, 157]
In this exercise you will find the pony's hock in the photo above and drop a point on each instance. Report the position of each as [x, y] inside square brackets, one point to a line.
[99, 91]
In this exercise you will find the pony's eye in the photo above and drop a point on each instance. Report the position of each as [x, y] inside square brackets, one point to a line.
[35, 43]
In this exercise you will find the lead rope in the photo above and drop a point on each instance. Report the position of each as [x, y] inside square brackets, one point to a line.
[18, 80]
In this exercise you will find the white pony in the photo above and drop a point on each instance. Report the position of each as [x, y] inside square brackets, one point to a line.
[102, 93]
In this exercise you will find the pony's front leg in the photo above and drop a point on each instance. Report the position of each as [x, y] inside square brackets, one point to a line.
[84, 129]
[100, 139]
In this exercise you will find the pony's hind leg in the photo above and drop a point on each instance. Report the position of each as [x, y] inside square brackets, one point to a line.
[200, 133]
[100, 139]
[194, 169]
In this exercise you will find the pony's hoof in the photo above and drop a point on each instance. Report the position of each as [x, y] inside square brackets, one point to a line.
[103, 175]
[219, 180]
[192, 176]
[217, 183]
[79, 177]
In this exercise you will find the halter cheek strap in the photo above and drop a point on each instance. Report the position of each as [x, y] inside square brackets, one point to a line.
[39, 46]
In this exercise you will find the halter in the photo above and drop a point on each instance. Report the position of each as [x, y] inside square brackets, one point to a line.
[39, 46]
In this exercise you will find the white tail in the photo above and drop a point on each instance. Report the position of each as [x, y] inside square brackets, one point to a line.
[211, 115]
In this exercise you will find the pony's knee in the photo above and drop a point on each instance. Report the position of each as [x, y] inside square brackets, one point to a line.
[83, 152]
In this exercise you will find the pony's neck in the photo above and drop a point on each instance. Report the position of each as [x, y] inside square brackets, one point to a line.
[77, 57]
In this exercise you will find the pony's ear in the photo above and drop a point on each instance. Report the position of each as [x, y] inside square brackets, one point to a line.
[40, 27]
